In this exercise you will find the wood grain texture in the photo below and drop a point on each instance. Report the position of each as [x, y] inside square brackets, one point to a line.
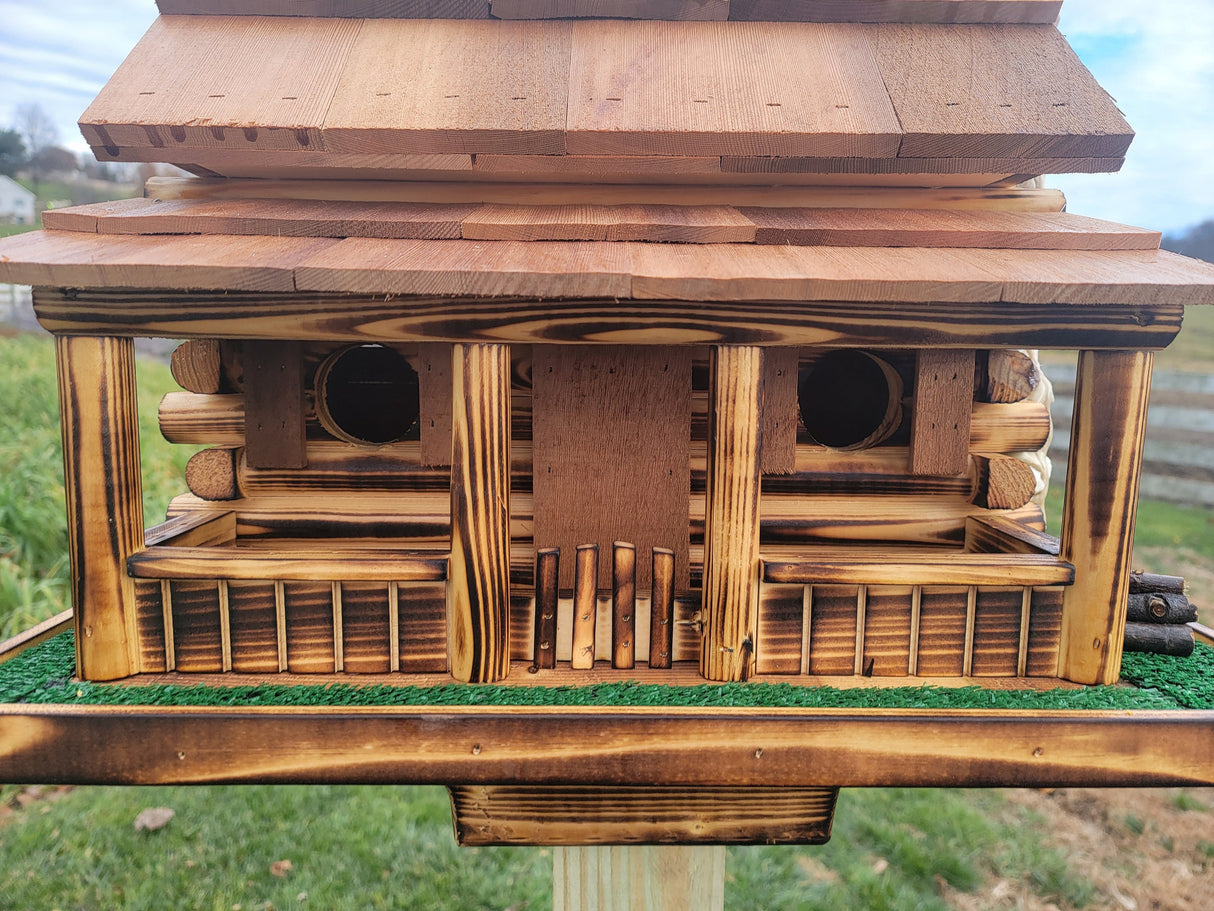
[944, 396]
[274, 404]
[328, 317]
[632, 878]
[478, 587]
[433, 365]
[512, 101]
[731, 538]
[693, 88]
[942, 631]
[547, 570]
[996, 645]
[153, 628]
[1011, 376]
[887, 630]
[661, 608]
[1107, 434]
[1002, 482]
[611, 429]
[196, 366]
[655, 224]
[938, 11]
[892, 566]
[211, 474]
[640, 746]
[611, 9]
[254, 627]
[224, 82]
[779, 450]
[585, 606]
[954, 171]
[96, 382]
[505, 815]
[623, 605]
[351, 9]
[994, 90]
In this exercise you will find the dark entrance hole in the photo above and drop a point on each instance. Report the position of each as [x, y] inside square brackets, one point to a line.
[850, 399]
[367, 394]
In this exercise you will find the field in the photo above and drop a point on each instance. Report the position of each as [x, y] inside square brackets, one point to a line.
[242, 848]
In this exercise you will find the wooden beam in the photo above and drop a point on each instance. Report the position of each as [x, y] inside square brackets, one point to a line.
[731, 538]
[1108, 430]
[479, 583]
[940, 422]
[104, 498]
[274, 404]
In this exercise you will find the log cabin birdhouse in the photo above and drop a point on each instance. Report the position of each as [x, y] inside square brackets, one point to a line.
[550, 341]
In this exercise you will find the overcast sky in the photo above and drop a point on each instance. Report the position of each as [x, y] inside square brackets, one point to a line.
[1155, 58]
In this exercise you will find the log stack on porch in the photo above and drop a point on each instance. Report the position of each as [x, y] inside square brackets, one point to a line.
[684, 340]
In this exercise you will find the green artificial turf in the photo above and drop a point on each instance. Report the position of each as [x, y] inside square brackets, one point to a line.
[43, 674]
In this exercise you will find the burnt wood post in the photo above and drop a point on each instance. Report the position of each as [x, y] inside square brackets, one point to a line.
[730, 605]
[478, 586]
[1108, 428]
[104, 498]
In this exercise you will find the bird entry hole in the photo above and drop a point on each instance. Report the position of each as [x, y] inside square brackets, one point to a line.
[367, 394]
[850, 399]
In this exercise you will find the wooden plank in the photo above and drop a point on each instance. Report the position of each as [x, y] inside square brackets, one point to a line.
[238, 82]
[478, 587]
[96, 382]
[611, 9]
[994, 91]
[623, 605]
[590, 166]
[944, 397]
[536, 746]
[1107, 434]
[547, 569]
[197, 637]
[996, 646]
[329, 317]
[656, 224]
[274, 404]
[513, 101]
[353, 9]
[693, 88]
[279, 164]
[38, 633]
[585, 606]
[506, 814]
[311, 647]
[423, 628]
[365, 628]
[433, 366]
[892, 567]
[731, 537]
[939, 11]
[610, 430]
[68, 259]
[832, 644]
[887, 630]
[154, 626]
[254, 627]
[661, 608]
[1005, 199]
[631, 878]
[942, 630]
[943, 228]
[994, 533]
[954, 171]
[778, 450]
[323, 562]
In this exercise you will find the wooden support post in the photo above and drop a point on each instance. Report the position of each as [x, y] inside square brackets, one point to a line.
[274, 405]
[478, 589]
[623, 605]
[638, 878]
[944, 400]
[104, 498]
[585, 605]
[731, 537]
[1107, 433]
[661, 608]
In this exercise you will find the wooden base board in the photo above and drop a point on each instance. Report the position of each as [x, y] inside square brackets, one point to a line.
[514, 815]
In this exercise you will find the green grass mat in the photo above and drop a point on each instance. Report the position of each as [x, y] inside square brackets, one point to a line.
[43, 675]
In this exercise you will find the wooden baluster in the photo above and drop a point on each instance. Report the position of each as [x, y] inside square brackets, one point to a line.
[623, 605]
[547, 569]
[1108, 428]
[731, 537]
[585, 605]
[478, 589]
[661, 608]
[104, 498]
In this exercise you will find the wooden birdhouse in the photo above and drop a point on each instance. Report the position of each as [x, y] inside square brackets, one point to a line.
[558, 342]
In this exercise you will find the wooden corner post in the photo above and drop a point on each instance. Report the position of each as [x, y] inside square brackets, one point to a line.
[1108, 428]
[731, 514]
[104, 498]
[478, 586]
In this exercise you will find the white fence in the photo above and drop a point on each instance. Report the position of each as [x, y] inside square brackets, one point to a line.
[1178, 462]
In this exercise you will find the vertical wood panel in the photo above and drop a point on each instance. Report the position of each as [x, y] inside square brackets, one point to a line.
[661, 608]
[611, 429]
[731, 536]
[940, 425]
[1107, 435]
[104, 498]
[585, 606]
[832, 649]
[198, 646]
[942, 627]
[997, 632]
[274, 405]
[623, 605]
[149, 620]
[434, 392]
[632, 878]
[887, 629]
[780, 629]
[365, 628]
[309, 615]
[479, 581]
[254, 627]
[778, 454]
[1045, 630]
[423, 627]
[547, 570]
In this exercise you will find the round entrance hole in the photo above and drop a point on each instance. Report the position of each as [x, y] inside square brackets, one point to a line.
[367, 394]
[850, 399]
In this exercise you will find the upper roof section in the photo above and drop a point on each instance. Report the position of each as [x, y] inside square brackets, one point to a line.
[742, 97]
[953, 11]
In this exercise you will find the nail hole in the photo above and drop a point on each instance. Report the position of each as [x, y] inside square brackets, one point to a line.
[290, 97]
[217, 96]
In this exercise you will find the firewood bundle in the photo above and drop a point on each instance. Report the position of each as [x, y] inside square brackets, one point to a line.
[1158, 616]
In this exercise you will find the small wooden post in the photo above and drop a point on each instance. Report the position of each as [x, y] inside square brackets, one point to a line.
[478, 588]
[585, 606]
[547, 568]
[104, 498]
[623, 605]
[638, 878]
[731, 536]
[1108, 428]
[661, 608]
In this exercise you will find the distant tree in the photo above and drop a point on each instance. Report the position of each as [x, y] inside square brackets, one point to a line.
[1197, 241]
[55, 160]
[12, 152]
[38, 132]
